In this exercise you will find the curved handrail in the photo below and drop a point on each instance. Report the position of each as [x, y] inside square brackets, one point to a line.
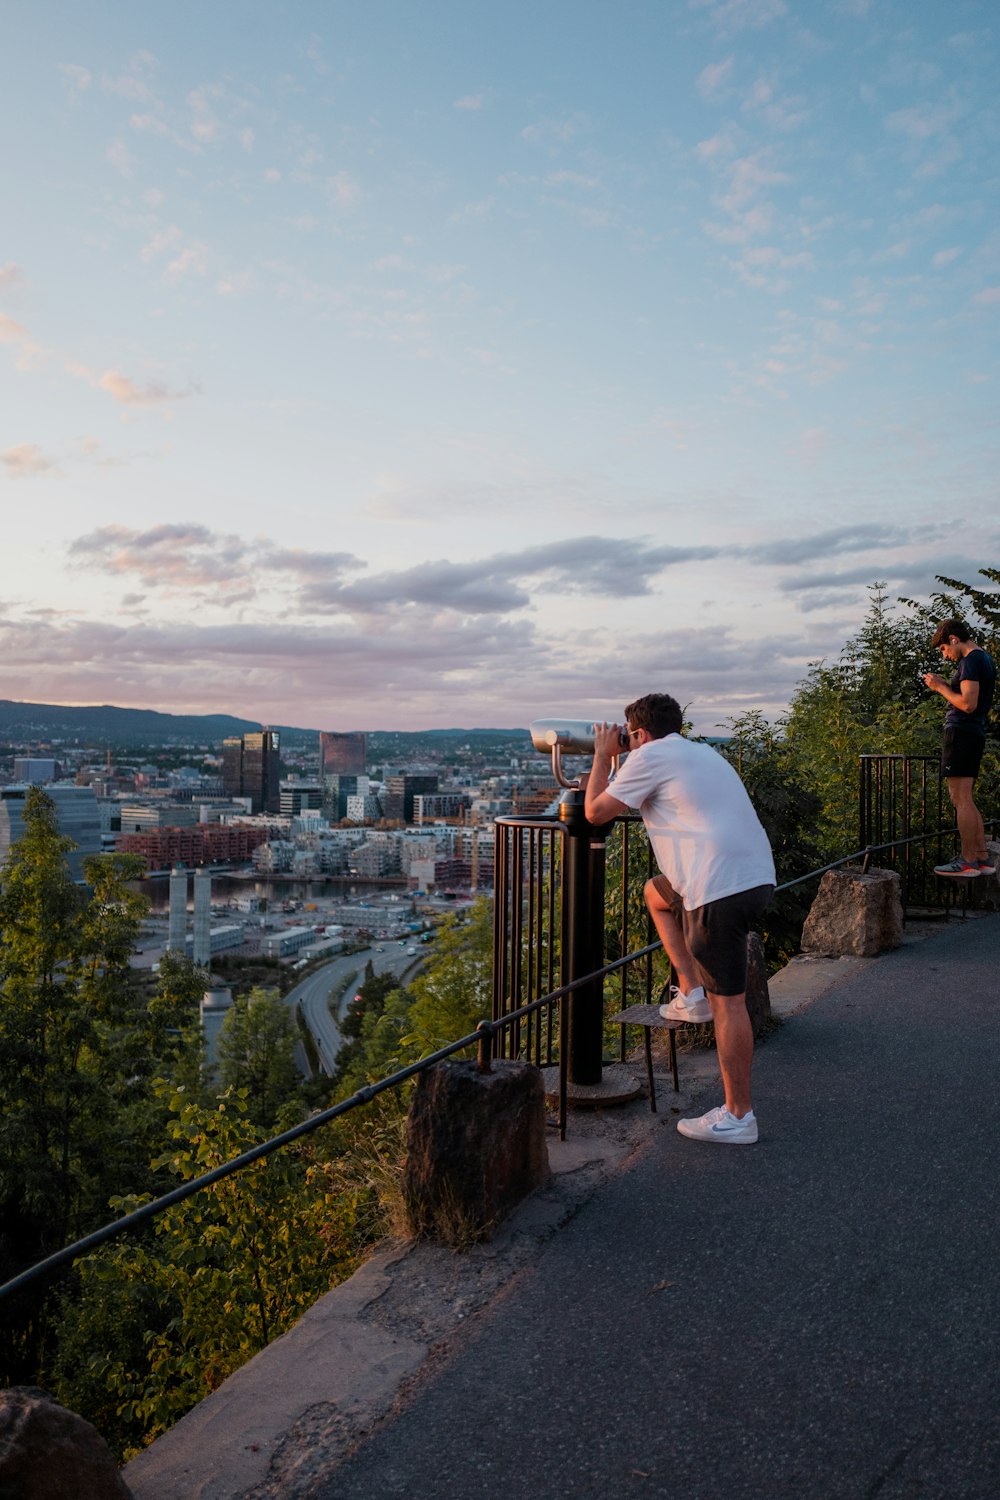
[480, 1037]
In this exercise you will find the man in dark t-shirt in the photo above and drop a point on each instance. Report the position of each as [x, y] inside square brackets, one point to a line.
[969, 695]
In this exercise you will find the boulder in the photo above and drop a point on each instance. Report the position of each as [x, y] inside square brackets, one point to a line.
[49, 1453]
[475, 1146]
[855, 913]
[987, 887]
[758, 995]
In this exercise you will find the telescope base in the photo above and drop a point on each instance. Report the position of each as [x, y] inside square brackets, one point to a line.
[618, 1085]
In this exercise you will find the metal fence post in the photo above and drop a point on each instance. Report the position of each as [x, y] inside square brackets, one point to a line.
[583, 938]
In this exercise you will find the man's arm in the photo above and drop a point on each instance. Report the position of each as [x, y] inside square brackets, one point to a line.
[967, 697]
[599, 805]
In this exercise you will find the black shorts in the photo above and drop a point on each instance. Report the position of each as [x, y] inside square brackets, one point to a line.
[962, 751]
[717, 934]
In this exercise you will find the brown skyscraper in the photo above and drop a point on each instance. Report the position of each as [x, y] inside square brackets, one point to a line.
[251, 768]
[342, 754]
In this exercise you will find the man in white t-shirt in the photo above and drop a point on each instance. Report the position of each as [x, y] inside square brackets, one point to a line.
[717, 876]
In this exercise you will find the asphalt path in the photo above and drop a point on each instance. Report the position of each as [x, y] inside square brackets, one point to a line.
[314, 991]
[811, 1318]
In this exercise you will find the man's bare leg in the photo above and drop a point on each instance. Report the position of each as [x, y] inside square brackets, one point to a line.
[970, 824]
[671, 935]
[734, 1041]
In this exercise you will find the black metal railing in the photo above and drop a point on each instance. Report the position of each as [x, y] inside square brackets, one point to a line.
[530, 944]
[901, 809]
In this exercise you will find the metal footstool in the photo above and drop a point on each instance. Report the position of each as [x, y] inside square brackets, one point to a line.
[648, 1016]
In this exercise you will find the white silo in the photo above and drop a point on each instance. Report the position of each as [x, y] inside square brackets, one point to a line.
[215, 1007]
[177, 927]
[202, 950]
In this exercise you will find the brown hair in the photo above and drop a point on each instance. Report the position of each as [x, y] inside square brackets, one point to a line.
[948, 628]
[657, 713]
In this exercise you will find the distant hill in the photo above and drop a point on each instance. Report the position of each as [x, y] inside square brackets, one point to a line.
[105, 724]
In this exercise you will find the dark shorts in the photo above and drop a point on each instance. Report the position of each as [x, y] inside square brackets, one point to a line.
[961, 752]
[717, 935]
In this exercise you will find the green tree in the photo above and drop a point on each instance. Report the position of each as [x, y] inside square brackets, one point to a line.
[788, 811]
[455, 993]
[871, 701]
[373, 1027]
[257, 1055]
[156, 1325]
[78, 1045]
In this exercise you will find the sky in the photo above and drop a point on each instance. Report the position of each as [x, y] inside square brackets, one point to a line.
[398, 366]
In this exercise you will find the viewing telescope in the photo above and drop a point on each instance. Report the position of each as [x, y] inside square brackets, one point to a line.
[566, 737]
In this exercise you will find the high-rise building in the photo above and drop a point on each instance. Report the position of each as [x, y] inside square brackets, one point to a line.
[77, 814]
[341, 763]
[336, 790]
[232, 767]
[35, 770]
[400, 791]
[250, 768]
[298, 797]
[342, 754]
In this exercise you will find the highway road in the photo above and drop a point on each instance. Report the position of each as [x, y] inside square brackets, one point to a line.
[313, 993]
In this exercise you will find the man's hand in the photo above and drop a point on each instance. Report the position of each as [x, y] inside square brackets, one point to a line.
[607, 741]
[967, 697]
[599, 805]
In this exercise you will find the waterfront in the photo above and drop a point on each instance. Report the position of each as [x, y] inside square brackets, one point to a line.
[274, 891]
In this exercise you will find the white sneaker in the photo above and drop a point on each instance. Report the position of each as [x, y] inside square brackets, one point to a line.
[692, 1007]
[719, 1125]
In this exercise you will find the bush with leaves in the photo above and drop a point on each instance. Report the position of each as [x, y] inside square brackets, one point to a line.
[156, 1324]
[79, 1043]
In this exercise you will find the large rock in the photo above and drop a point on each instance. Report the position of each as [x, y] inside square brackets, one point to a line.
[758, 995]
[855, 913]
[475, 1146]
[987, 887]
[49, 1453]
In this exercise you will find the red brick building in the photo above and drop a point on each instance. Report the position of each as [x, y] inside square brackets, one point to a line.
[204, 844]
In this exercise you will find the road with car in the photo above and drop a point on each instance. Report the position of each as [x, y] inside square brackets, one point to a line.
[344, 975]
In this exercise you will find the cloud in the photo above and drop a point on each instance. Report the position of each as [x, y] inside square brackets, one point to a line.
[11, 332]
[446, 642]
[193, 260]
[835, 542]
[134, 83]
[29, 353]
[921, 121]
[988, 295]
[25, 461]
[127, 393]
[121, 158]
[10, 273]
[711, 79]
[79, 78]
[554, 131]
[185, 555]
[470, 101]
[588, 565]
[730, 17]
[344, 189]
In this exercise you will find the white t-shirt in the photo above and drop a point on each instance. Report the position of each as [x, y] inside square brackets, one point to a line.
[707, 839]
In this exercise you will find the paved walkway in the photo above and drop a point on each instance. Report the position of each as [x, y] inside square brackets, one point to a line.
[815, 1316]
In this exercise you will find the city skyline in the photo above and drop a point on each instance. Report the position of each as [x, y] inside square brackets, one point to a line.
[405, 368]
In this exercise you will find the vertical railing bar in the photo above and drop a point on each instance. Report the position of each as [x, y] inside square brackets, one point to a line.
[555, 854]
[517, 921]
[529, 993]
[624, 830]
